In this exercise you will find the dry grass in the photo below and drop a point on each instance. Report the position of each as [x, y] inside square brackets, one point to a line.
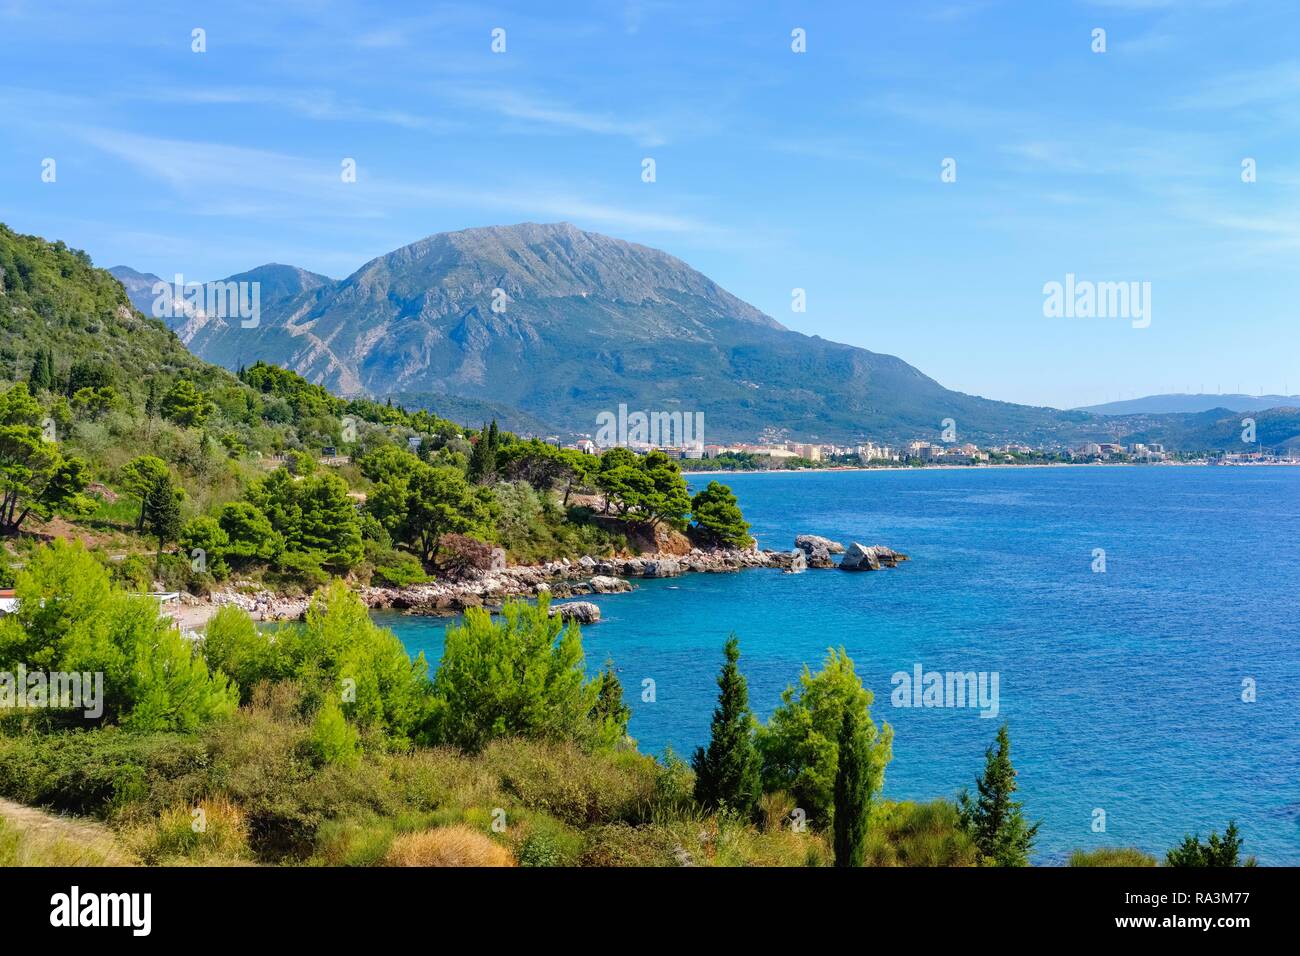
[447, 846]
[30, 837]
[212, 832]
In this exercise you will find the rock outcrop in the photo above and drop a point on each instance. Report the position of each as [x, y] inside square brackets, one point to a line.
[584, 612]
[807, 542]
[861, 557]
[566, 578]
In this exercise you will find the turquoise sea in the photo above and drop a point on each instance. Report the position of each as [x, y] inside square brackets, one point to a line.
[1123, 688]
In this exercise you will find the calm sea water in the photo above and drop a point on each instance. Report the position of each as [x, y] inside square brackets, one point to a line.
[1123, 689]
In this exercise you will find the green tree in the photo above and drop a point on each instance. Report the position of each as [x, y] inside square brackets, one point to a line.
[249, 532]
[483, 460]
[233, 645]
[520, 675]
[718, 517]
[610, 714]
[70, 618]
[364, 666]
[35, 478]
[203, 540]
[995, 820]
[1217, 851]
[853, 777]
[185, 405]
[669, 500]
[622, 480]
[162, 510]
[430, 502]
[42, 377]
[799, 746]
[727, 773]
[314, 514]
[138, 475]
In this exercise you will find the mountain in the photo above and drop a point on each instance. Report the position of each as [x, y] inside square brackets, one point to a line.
[53, 299]
[585, 322]
[1180, 403]
[1276, 429]
[277, 285]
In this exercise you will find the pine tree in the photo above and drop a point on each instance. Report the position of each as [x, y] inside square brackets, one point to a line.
[852, 790]
[610, 713]
[1218, 851]
[727, 773]
[161, 510]
[994, 820]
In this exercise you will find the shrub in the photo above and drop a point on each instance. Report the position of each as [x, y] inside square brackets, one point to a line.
[1112, 856]
[459, 554]
[574, 786]
[333, 740]
[398, 569]
[210, 831]
[93, 772]
[233, 645]
[447, 846]
[1216, 851]
[918, 834]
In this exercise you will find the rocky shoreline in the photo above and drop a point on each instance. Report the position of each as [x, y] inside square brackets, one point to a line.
[569, 579]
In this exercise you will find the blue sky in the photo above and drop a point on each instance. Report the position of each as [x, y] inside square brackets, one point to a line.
[774, 170]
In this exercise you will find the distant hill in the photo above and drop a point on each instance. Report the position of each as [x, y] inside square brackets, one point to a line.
[585, 322]
[1179, 403]
[53, 298]
[277, 285]
[1217, 429]
[474, 413]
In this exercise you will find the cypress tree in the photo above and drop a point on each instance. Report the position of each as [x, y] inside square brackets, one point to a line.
[40, 377]
[994, 820]
[483, 459]
[727, 773]
[852, 790]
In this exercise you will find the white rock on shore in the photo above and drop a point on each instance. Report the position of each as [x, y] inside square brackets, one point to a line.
[584, 612]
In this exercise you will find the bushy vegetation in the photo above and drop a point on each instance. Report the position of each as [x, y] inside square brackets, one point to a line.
[1112, 856]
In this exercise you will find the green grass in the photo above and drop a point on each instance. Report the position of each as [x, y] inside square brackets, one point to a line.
[1112, 856]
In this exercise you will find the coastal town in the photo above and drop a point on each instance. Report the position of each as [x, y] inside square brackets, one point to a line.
[785, 454]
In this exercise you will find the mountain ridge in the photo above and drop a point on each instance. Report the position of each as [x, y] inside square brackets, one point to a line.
[563, 323]
[1192, 402]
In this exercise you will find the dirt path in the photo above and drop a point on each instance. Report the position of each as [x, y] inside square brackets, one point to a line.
[49, 839]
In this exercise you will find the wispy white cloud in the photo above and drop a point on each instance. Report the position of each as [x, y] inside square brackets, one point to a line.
[534, 111]
[1278, 82]
[240, 182]
[317, 104]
